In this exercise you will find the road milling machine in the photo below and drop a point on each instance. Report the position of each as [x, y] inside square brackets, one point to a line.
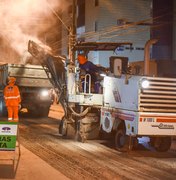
[128, 106]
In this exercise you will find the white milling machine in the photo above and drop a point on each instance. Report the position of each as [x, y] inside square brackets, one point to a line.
[146, 106]
[129, 106]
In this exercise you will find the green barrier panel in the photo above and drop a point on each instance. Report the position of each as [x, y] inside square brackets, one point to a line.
[8, 135]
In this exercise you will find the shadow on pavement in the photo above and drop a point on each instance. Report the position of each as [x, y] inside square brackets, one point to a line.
[8, 168]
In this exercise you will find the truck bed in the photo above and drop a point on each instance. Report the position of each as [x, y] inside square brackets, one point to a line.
[26, 75]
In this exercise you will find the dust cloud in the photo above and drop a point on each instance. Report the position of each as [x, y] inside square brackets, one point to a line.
[24, 20]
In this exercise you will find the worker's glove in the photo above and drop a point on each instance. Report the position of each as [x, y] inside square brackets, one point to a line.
[19, 106]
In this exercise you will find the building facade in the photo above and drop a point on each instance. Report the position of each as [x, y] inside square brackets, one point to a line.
[118, 21]
[135, 21]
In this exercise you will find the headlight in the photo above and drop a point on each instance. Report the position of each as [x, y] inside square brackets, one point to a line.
[44, 93]
[145, 83]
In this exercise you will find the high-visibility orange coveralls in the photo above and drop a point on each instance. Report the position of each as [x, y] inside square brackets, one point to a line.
[12, 99]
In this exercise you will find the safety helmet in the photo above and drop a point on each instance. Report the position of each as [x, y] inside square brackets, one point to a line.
[82, 59]
[11, 80]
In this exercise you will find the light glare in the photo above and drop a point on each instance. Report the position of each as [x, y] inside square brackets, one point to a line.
[44, 93]
[145, 84]
[103, 75]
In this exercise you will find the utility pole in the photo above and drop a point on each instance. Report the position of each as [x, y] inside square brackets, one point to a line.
[72, 32]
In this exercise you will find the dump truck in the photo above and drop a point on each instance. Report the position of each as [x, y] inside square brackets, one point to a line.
[129, 106]
[34, 86]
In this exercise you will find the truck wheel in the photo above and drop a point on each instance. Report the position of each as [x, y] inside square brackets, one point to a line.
[121, 140]
[3, 109]
[63, 127]
[45, 112]
[42, 111]
[162, 144]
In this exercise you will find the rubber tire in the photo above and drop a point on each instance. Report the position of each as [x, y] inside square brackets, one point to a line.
[121, 140]
[62, 128]
[165, 144]
[135, 143]
[67, 129]
[91, 130]
[3, 108]
[90, 126]
[104, 135]
[70, 131]
[44, 111]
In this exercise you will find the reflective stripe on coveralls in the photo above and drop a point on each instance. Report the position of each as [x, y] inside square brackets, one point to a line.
[12, 97]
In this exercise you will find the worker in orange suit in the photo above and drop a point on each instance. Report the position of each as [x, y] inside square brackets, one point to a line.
[12, 99]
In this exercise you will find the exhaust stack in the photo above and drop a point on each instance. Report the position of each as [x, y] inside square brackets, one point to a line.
[147, 55]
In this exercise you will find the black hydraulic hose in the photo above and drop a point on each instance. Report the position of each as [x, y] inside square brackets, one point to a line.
[80, 114]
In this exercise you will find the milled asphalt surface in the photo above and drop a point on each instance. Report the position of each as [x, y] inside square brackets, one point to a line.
[27, 166]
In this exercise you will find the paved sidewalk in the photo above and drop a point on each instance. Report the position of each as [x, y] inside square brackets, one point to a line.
[28, 167]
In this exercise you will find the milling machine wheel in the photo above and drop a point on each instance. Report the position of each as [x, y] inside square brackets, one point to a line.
[121, 140]
[67, 128]
[135, 143]
[89, 127]
[71, 130]
[162, 144]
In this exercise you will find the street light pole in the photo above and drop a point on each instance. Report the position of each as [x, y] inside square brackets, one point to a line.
[72, 32]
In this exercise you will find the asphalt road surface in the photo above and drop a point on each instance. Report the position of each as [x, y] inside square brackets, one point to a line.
[95, 159]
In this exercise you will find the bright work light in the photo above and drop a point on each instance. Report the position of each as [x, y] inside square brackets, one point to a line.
[102, 75]
[145, 83]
